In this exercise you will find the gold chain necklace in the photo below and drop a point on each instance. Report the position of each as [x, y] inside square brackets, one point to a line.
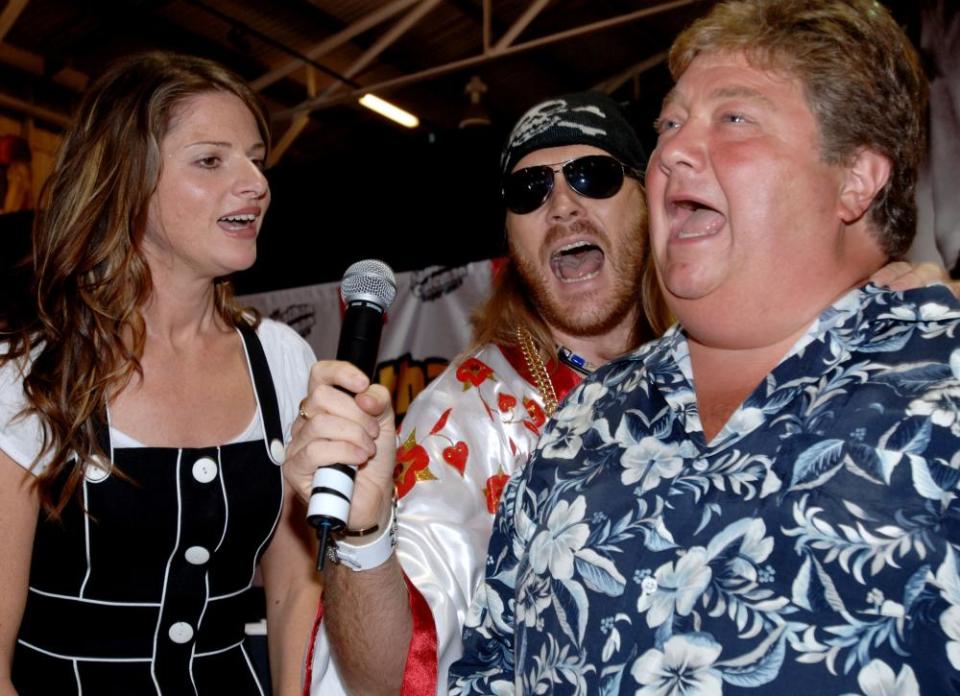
[531, 356]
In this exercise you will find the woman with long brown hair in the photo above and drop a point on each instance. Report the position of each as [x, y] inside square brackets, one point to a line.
[143, 415]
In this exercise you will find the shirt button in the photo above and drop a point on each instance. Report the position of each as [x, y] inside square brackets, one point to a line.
[97, 469]
[649, 585]
[197, 555]
[277, 451]
[204, 470]
[180, 632]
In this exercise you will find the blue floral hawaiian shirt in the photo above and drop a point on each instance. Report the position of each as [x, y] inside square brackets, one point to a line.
[813, 547]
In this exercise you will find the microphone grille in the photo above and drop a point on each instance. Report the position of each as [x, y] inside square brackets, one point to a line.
[371, 281]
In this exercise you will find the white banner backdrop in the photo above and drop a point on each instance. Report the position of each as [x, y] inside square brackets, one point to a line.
[428, 324]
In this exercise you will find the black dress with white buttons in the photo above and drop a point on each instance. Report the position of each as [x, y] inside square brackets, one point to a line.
[143, 594]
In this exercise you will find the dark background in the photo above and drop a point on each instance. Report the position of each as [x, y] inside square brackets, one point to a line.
[410, 199]
[354, 185]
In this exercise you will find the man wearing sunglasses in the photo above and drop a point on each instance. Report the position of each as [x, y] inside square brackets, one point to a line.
[570, 296]
[765, 500]
[573, 294]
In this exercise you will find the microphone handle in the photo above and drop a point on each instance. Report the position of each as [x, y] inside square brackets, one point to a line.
[360, 336]
[332, 488]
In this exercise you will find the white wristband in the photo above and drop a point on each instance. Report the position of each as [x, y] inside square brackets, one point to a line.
[368, 556]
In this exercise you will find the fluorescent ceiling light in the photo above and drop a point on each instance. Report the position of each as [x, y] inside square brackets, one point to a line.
[391, 111]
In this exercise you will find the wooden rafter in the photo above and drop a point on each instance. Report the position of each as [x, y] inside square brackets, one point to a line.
[9, 15]
[322, 101]
[329, 44]
[522, 23]
[402, 26]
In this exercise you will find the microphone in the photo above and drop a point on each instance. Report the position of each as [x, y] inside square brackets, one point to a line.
[368, 289]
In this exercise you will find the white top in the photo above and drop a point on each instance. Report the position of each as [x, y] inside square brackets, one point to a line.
[288, 355]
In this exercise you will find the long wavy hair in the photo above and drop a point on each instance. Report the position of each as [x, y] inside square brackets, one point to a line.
[90, 275]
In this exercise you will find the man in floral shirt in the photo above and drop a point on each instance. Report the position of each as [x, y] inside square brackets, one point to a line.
[576, 228]
[764, 500]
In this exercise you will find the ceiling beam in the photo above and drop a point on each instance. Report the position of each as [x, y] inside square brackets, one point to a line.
[9, 15]
[299, 123]
[332, 42]
[384, 42]
[484, 17]
[522, 23]
[487, 24]
[25, 107]
[384, 86]
[389, 37]
[36, 65]
[615, 82]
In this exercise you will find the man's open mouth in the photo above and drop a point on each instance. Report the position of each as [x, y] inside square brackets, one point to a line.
[692, 220]
[577, 262]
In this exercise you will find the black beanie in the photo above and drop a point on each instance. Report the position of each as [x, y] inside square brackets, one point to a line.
[583, 118]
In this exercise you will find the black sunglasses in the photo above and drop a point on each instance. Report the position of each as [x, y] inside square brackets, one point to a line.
[593, 176]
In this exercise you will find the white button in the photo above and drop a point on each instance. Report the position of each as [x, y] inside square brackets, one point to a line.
[180, 632]
[649, 585]
[96, 469]
[277, 451]
[197, 555]
[205, 470]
